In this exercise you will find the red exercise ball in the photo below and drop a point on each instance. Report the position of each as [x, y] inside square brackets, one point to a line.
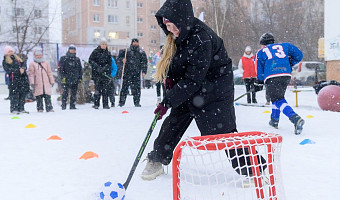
[329, 98]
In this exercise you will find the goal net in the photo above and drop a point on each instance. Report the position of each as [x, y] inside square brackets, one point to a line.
[229, 166]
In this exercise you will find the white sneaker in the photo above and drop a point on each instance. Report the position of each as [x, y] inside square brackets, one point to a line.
[152, 170]
[250, 182]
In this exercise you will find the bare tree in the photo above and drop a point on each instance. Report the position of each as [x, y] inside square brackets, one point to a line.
[30, 24]
[240, 23]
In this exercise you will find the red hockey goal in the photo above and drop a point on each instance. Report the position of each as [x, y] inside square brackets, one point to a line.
[205, 167]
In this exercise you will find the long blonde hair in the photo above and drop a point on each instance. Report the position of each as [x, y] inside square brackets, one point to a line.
[169, 50]
[9, 60]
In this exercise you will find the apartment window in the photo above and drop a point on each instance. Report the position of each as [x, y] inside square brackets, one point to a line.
[153, 41]
[113, 35]
[37, 30]
[96, 18]
[127, 4]
[140, 34]
[140, 20]
[19, 29]
[18, 12]
[153, 12]
[127, 20]
[139, 5]
[37, 13]
[112, 3]
[113, 19]
[153, 27]
[97, 34]
[96, 2]
[128, 34]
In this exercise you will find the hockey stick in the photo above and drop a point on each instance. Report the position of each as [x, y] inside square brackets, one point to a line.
[141, 150]
[250, 91]
[122, 76]
[259, 86]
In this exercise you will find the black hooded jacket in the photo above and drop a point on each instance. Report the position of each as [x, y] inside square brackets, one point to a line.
[100, 61]
[17, 82]
[70, 68]
[136, 62]
[200, 68]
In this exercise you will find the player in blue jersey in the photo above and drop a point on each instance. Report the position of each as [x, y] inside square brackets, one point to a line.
[273, 63]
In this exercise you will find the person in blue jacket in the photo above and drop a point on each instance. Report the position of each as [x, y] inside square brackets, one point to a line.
[273, 63]
[112, 85]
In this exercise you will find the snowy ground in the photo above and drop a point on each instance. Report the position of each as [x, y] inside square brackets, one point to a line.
[36, 169]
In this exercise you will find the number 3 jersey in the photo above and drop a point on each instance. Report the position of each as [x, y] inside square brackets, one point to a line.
[276, 60]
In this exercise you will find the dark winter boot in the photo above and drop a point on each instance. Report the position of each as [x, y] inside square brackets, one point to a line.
[298, 123]
[274, 123]
[63, 106]
[122, 100]
[248, 99]
[73, 107]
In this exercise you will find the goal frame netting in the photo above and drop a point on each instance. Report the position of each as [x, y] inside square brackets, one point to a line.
[250, 140]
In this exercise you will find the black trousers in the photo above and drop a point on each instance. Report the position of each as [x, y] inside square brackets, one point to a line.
[135, 86]
[102, 89]
[112, 91]
[158, 89]
[267, 93]
[249, 82]
[17, 99]
[175, 125]
[277, 86]
[48, 103]
[66, 88]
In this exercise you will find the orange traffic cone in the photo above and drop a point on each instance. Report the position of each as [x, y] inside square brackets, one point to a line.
[54, 137]
[88, 155]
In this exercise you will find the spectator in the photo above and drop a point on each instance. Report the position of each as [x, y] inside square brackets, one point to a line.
[132, 66]
[70, 71]
[247, 68]
[101, 63]
[18, 80]
[41, 80]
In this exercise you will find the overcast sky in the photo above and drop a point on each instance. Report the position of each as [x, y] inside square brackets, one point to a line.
[55, 15]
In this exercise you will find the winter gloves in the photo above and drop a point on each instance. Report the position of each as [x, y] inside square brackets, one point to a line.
[258, 85]
[169, 83]
[161, 110]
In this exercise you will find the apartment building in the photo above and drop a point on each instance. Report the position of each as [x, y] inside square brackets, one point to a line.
[148, 31]
[25, 18]
[85, 22]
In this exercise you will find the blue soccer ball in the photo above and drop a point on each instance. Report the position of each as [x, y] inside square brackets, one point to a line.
[112, 190]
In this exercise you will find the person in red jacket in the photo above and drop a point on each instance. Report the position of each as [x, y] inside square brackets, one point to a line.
[247, 68]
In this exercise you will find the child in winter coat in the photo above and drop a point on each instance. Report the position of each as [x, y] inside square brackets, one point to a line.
[41, 80]
[18, 80]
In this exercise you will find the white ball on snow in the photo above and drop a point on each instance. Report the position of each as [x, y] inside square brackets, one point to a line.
[112, 190]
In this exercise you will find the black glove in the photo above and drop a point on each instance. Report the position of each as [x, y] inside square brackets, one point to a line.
[258, 85]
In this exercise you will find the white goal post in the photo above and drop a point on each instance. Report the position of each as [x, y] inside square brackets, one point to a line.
[228, 166]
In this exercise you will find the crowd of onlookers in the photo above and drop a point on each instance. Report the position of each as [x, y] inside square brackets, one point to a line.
[102, 78]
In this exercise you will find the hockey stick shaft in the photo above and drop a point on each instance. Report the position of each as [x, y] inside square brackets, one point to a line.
[141, 150]
[250, 91]
[122, 76]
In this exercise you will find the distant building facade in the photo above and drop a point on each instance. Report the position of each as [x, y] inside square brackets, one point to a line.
[35, 29]
[85, 22]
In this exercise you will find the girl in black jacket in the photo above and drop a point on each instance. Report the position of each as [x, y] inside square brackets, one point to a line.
[199, 82]
[18, 80]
